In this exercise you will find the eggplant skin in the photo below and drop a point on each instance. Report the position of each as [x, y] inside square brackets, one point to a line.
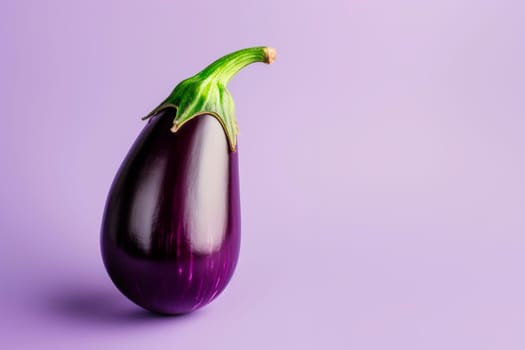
[170, 234]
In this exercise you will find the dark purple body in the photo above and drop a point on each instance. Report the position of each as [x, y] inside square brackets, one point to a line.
[171, 228]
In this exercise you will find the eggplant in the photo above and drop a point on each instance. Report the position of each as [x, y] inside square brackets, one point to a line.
[170, 233]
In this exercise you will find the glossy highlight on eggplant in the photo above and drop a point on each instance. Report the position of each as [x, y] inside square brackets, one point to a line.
[171, 232]
[171, 229]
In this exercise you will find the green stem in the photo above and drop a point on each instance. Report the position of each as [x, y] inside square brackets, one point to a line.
[226, 67]
[206, 92]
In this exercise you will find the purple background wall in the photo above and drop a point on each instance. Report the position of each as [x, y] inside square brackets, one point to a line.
[382, 171]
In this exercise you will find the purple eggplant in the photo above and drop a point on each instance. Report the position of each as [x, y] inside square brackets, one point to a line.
[170, 234]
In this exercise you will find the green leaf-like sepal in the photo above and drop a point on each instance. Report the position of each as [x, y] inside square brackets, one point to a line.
[194, 97]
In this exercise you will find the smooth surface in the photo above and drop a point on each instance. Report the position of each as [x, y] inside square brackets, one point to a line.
[381, 171]
[170, 235]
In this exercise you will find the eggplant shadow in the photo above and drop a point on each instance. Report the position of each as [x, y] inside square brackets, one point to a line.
[103, 307]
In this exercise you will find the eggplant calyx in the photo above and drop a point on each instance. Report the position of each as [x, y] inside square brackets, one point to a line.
[207, 93]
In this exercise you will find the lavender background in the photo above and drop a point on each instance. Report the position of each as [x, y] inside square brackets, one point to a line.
[382, 170]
